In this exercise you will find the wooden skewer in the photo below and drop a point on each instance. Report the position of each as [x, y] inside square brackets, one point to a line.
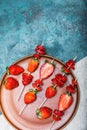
[22, 109]
[52, 124]
[21, 93]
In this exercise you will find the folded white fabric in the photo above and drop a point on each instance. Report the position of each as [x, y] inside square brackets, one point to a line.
[79, 122]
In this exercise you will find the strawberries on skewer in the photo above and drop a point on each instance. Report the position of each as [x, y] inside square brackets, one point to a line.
[69, 65]
[58, 81]
[32, 66]
[48, 66]
[29, 97]
[26, 79]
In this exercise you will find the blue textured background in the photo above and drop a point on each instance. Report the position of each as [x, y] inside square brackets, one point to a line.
[60, 25]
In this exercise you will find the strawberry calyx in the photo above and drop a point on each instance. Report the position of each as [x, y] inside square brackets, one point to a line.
[7, 70]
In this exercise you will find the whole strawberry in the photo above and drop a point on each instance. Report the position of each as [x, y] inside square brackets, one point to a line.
[32, 65]
[30, 96]
[44, 112]
[11, 83]
[50, 91]
[14, 69]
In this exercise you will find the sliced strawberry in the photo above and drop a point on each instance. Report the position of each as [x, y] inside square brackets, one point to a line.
[56, 117]
[66, 70]
[65, 102]
[26, 78]
[36, 56]
[59, 80]
[70, 89]
[59, 113]
[44, 112]
[14, 70]
[50, 91]
[40, 50]
[36, 86]
[32, 65]
[46, 70]
[74, 82]
[11, 83]
[70, 64]
[30, 97]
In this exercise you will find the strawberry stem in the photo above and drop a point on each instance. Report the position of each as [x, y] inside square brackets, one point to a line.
[7, 70]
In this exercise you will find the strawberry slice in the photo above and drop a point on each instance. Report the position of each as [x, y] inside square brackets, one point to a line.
[30, 96]
[50, 91]
[46, 70]
[26, 78]
[59, 80]
[65, 101]
[71, 89]
[32, 65]
[70, 64]
[14, 70]
[11, 83]
[40, 49]
[44, 112]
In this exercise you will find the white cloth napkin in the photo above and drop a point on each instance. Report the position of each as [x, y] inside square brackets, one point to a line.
[79, 122]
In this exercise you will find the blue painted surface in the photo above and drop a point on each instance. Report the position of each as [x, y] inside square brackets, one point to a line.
[60, 25]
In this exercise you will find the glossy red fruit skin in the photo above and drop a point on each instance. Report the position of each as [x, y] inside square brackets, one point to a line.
[56, 117]
[15, 70]
[71, 89]
[50, 92]
[40, 49]
[70, 64]
[11, 83]
[26, 78]
[29, 97]
[58, 113]
[44, 112]
[65, 101]
[74, 82]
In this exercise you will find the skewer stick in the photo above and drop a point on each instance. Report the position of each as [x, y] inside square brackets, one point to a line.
[52, 60]
[21, 93]
[75, 58]
[43, 102]
[22, 109]
[52, 124]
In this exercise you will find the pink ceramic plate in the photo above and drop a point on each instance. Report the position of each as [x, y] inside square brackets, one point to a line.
[28, 120]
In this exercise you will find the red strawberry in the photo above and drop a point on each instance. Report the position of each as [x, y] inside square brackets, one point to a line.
[37, 85]
[66, 70]
[11, 83]
[30, 96]
[32, 65]
[59, 113]
[50, 91]
[56, 117]
[46, 70]
[70, 64]
[70, 89]
[36, 56]
[74, 82]
[40, 50]
[65, 101]
[15, 69]
[44, 112]
[26, 78]
[59, 80]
